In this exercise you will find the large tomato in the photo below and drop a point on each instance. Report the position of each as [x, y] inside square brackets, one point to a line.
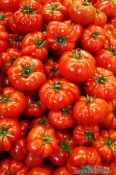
[77, 65]
[12, 102]
[3, 38]
[100, 18]
[26, 73]
[39, 170]
[62, 171]
[5, 18]
[58, 93]
[15, 41]
[9, 5]
[25, 126]
[102, 84]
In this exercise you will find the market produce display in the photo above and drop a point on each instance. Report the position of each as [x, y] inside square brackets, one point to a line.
[58, 87]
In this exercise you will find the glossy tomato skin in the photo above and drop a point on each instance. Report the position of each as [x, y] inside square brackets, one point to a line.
[35, 45]
[77, 65]
[106, 59]
[52, 91]
[10, 166]
[90, 110]
[100, 18]
[41, 140]
[54, 11]
[15, 41]
[79, 11]
[25, 126]
[102, 84]
[39, 170]
[5, 19]
[81, 156]
[93, 38]
[9, 5]
[62, 171]
[85, 134]
[8, 57]
[9, 133]
[60, 36]
[26, 73]
[105, 144]
[3, 38]
[12, 103]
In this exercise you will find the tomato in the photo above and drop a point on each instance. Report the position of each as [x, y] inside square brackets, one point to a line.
[15, 41]
[9, 133]
[51, 68]
[85, 134]
[27, 18]
[35, 45]
[39, 170]
[8, 57]
[67, 3]
[100, 18]
[77, 65]
[106, 145]
[93, 38]
[25, 126]
[5, 18]
[3, 39]
[32, 160]
[106, 59]
[9, 5]
[60, 36]
[54, 11]
[43, 120]
[82, 156]
[102, 84]
[10, 166]
[41, 140]
[81, 10]
[61, 119]
[90, 110]
[48, 1]
[12, 102]
[61, 171]
[58, 93]
[19, 150]
[113, 20]
[26, 73]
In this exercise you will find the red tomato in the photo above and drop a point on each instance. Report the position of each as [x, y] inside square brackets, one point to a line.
[8, 57]
[58, 93]
[12, 102]
[3, 39]
[43, 120]
[81, 10]
[102, 84]
[106, 59]
[62, 171]
[15, 41]
[5, 18]
[90, 110]
[85, 134]
[25, 126]
[106, 145]
[9, 133]
[41, 140]
[77, 65]
[26, 73]
[32, 160]
[35, 45]
[100, 18]
[67, 3]
[9, 5]
[39, 170]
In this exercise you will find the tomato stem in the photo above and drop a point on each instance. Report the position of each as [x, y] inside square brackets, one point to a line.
[2, 17]
[11, 62]
[94, 34]
[4, 99]
[35, 98]
[61, 40]
[27, 10]
[85, 3]
[110, 143]
[89, 136]
[101, 80]
[16, 39]
[43, 28]
[64, 146]
[66, 110]
[53, 8]
[76, 56]
[27, 70]
[46, 139]
[57, 85]
[3, 132]
[39, 43]
[89, 99]
[43, 121]
[114, 111]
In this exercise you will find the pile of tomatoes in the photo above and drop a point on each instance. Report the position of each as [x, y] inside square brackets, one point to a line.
[58, 87]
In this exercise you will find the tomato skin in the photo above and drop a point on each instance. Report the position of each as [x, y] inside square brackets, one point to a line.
[39, 170]
[41, 140]
[26, 73]
[106, 59]
[79, 11]
[10, 166]
[15, 41]
[52, 91]
[77, 65]
[85, 134]
[3, 38]
[81, 156]
[5, 18]
[102, 84]
[105, 144]
[8, 57]
[12, 103]
[93, 38]
[35, 45]
[32, 160]
[90, 110]
[61, 171]
[61, 119]
[60, 36]
[19, 150]
[9, 5]
[24, 125]
[11, 130]
[100, 18]
[54, 11]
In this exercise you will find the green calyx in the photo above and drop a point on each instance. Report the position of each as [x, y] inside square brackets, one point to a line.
[27, 10]
[101, 80]
[3, 132]
[53, 69]
[61, 40]
[4, 99]
[27, 70]
[2, 17]
[110, 143]
[75, 55]
[89, 99]
[114, 111]
[43, 121]
[11, 62]
[89, 136]
[16, 39]
[39, 43]
[43, 28]
[94, 34]
[85, 3]
[46, 139]
[66, 110]
[56, 86]
[64, 146]
[111, 50]
[53, 8]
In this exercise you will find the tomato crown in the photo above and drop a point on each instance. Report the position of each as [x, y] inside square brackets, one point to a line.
[46, 139]
[85, 3]
[39, 43]
[53, 8]
[43, 28]
[43, 121]
[110, 143]
[27, 71]
[3, 132]
[111, 50]
[89, 136]
[89, 99]
[61, 40]
[4, 99]
[66, 110]
[56, 86]
[27, 10]
[114, 111]
[15, 39]
[75, 55]
[2, 17]
[11, 61]
[94, 34]
[101, 80]
[64, 146]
